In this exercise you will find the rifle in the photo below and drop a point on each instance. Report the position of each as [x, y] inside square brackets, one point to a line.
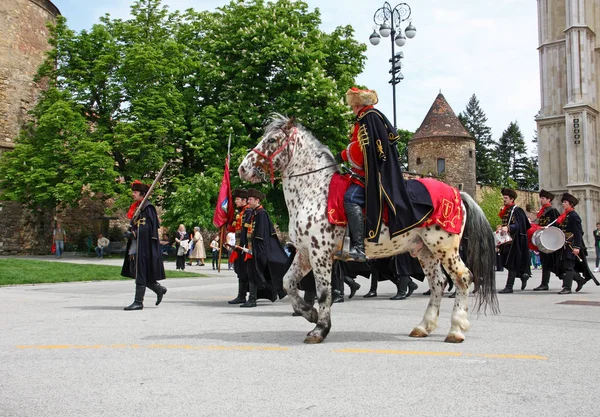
[156, 180]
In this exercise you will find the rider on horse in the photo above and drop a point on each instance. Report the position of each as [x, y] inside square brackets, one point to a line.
[377, 184]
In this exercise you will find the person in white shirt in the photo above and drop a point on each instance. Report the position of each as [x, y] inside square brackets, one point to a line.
[102, 244]
[230, 239]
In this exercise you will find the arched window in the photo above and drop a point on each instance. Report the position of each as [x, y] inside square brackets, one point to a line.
[441, 166]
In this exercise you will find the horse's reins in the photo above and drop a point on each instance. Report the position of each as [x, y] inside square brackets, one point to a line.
[277, 152]
[270, 158]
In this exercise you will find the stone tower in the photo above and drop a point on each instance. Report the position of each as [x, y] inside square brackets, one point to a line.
[23, 42]
[443, 148]
[567, 123]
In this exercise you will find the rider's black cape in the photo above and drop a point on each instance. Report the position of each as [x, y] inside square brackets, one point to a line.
[384, 183]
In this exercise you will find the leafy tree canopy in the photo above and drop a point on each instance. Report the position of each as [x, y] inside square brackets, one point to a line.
[171, 86]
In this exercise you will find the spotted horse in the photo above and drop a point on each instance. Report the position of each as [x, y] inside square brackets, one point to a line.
[307, 167]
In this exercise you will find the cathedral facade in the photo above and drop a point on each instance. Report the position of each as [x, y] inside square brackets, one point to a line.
[567, 123]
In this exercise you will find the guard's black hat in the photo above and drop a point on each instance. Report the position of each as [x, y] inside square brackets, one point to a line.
[137, 185]
[509, 192]
[240, 192]
[570, 198]
[252, 192]
[546, 194]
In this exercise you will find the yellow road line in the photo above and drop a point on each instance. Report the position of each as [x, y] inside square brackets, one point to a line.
[280, 348]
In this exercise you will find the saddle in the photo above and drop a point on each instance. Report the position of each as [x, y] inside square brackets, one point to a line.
[447, 203]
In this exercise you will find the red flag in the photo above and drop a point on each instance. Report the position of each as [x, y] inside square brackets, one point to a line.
[224, 209]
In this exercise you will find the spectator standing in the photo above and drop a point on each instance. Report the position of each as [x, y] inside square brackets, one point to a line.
[198, 253]
[182, 246]
[59, 237]
[230, 244]
[596, 234]
[214, 245]
[102, 244]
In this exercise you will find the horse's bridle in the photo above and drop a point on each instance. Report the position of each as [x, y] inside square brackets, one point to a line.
[289, 141]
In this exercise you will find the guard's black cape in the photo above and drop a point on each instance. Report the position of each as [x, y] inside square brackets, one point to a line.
[549, 260]
[573, 231]
[150, 266]
[515, 255]
[384, 183]
[269, 261]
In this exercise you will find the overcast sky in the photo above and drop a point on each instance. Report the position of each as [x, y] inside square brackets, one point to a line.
[462, 47]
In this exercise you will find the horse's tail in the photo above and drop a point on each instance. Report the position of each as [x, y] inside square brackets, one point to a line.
[480, 251]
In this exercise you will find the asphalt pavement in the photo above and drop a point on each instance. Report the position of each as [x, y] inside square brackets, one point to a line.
[69, 349]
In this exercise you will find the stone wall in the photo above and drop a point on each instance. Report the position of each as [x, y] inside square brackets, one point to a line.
[23, 43]
[458, 155]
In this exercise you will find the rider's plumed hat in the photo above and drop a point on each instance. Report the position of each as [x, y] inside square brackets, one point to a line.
[256, 194]
[509, 192]
[239, 192]
[546, 194]
[357, 97]
[137, 185]
[570, 198]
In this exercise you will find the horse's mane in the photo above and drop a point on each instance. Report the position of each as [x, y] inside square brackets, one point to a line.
[278, 121]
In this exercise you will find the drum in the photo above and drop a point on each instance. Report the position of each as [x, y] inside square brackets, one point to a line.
[501, 238]
[548, 240]
[534, 228]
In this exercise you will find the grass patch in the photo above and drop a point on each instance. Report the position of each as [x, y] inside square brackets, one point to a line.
[27, 271]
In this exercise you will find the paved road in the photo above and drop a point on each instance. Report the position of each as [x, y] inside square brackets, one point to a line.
[70, 350]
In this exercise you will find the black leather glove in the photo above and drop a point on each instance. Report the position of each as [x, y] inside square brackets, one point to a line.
[338, 158]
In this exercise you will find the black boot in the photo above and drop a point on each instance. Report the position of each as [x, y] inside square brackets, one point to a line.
[356, 223]
[545, 280]
[338, 296]
[241, 297]
[252, 297]
[412, 286]
[138, 301]
[401, 287]
[354, 286]
[510, 281]
[159, 290]
[524, 279]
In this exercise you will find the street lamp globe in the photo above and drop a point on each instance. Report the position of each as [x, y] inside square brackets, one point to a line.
[374, 38]
[385, 30]
[400, 39]
[410, 31]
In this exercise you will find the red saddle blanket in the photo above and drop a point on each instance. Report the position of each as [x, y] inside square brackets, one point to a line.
[447, 203]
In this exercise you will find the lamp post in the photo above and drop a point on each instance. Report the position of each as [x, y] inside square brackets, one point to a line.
[389, 21]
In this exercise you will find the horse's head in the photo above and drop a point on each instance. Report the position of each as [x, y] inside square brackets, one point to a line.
[273, 152]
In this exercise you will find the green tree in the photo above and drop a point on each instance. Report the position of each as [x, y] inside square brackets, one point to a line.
[510, 153]
[56, 158]
[474, 120]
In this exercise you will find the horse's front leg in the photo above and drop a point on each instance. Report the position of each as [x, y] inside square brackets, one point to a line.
[431, 268]
[290, 283]
[462, 278]
[323, 284]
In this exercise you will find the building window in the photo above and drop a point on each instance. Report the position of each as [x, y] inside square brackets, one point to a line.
[441, 166]
[470, 153]
[418, 161]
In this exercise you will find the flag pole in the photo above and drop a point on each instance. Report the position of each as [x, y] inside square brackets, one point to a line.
[223, 228]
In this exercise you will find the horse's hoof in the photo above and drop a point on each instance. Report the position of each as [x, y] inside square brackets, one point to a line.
[313, 339]
[417, 332]
[454, 338]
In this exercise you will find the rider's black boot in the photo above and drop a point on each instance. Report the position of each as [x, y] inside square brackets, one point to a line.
[356, 223]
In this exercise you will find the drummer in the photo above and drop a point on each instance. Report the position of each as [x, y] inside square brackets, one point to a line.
[572, 257]
[544, 217]
[515, 254]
